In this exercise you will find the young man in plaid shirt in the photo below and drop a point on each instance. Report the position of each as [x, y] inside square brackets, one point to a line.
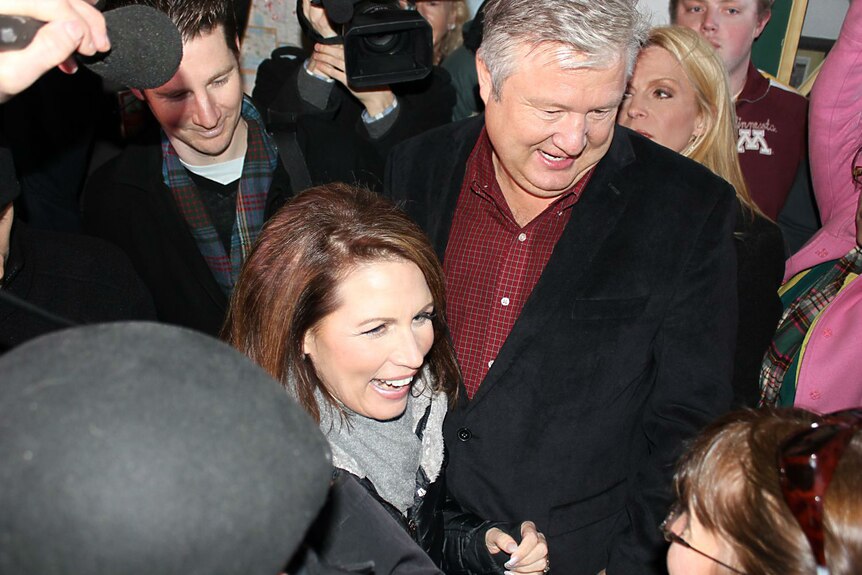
[188, 204]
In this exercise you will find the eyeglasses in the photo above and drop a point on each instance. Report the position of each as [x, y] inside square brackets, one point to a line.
[671, 537]
[807, 461]
[857, 167]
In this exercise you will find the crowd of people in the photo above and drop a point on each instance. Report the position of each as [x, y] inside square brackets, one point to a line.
[560, 335]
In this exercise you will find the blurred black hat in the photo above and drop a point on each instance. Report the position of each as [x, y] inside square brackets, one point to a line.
[142, 448]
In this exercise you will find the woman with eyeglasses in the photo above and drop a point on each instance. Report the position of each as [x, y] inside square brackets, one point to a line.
[813, 360]
[771, 492]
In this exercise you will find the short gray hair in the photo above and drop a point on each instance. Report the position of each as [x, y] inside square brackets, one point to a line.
[598, 32]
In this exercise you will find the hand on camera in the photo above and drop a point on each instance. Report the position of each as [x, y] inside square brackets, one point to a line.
[328, 60]
[316, 15]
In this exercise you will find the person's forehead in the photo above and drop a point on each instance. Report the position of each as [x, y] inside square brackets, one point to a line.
[205, 57]
[680, 4]
[544, 83]
[212, 40]
[655, 57]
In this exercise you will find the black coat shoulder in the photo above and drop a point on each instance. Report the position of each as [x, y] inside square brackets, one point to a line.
[760, 270]
[78, 278]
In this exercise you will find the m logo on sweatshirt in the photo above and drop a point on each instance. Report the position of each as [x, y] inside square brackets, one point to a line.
[753, 140]
[752, 137]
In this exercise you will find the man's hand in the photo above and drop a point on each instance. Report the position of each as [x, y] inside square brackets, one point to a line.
[71, 26]
[316, 16]
[528, 558]
[328, 60]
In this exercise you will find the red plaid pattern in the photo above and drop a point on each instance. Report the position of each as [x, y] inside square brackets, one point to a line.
[492, 264]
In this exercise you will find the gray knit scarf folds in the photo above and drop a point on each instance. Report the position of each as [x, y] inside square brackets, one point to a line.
[389, 453]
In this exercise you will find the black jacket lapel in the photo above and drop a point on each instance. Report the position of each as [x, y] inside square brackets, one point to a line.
[593, 220]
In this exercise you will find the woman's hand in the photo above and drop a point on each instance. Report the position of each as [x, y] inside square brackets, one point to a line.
[328, 60]
[528, 558]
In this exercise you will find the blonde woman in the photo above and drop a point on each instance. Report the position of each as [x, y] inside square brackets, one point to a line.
[446, 18]
[678, 96]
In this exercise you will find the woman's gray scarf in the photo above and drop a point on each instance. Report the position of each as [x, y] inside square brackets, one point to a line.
[389, 453]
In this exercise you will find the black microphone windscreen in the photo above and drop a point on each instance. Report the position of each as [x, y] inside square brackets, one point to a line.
[146, 48]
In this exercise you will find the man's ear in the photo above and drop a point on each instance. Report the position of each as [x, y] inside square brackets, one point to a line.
[238, 43]
[486, 88]
[762, 21]
[138, 94]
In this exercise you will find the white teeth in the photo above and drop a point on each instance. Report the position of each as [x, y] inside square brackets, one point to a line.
[394, 383]
[553, 158]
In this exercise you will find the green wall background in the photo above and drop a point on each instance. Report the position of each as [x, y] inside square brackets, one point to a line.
[766, 52]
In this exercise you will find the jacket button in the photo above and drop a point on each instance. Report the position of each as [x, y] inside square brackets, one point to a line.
[464, 434]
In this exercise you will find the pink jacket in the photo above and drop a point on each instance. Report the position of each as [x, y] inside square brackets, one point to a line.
[829, 376]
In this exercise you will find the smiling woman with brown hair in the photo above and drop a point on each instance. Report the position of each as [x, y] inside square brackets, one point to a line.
[342, 301]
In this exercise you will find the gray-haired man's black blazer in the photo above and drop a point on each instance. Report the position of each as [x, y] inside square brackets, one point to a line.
[622, 352]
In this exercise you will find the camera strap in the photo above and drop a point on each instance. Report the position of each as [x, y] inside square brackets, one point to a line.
[292, 158]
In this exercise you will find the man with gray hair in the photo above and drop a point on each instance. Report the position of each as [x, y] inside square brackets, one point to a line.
[591, 283]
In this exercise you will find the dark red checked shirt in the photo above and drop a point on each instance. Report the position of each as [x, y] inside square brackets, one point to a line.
[492, 264]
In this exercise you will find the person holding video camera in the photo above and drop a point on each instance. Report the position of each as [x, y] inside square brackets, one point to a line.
[344, 132]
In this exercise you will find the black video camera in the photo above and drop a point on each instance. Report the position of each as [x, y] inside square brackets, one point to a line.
[383, 43]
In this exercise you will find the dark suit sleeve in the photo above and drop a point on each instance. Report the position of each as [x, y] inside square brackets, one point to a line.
[464, 549]
[760, 261]
[355, 534]
[693, 352]
[424, 104]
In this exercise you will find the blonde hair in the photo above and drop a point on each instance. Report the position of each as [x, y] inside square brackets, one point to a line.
[715, 147]
[454, 37]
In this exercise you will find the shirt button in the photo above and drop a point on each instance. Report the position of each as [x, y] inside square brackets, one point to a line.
[522, 237]
[464, 434]
[490, 363]
[504, 301]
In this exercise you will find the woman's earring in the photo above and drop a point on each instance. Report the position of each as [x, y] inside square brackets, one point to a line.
[451, 26]
[692, 143]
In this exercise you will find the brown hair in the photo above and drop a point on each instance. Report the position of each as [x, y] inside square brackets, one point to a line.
[764, 7]
[290, 282]
[194, 18]
[729, 479]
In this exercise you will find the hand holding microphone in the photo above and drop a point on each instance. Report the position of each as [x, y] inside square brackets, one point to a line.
[144, 50]
[70, 26]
